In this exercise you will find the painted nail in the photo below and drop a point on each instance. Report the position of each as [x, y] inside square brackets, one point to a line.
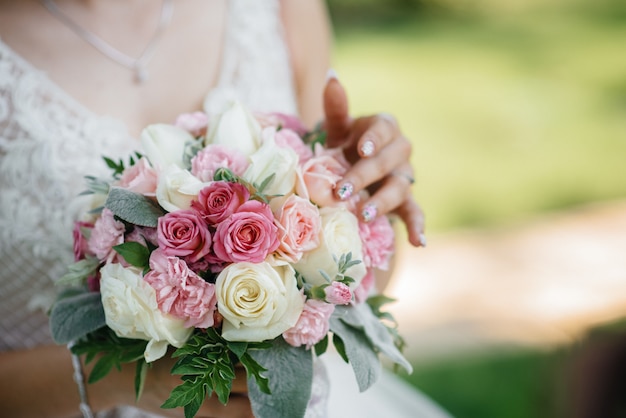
[422, 240]
[367, 149]
[345, 191]
[369, 212]
[331, 74]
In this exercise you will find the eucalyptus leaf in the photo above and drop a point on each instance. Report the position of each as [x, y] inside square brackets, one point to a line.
[361, 316]
[133, 207]
[363, 359]
[74, 317]
[290, 374]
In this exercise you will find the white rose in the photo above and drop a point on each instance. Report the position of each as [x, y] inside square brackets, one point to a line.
[176, 188]
[272, 159]
[258, 302]
[235, 127]
[340, 235]
[131, 310]
[165, 145]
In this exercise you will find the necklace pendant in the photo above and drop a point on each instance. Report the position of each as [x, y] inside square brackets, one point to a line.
[141, 75]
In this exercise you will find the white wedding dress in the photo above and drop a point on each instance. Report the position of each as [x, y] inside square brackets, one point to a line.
[49, 141]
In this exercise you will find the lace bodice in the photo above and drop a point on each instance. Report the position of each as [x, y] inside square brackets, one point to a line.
[49, 141]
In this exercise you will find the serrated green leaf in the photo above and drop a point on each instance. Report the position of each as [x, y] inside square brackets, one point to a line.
[290, 374]
[140, 377]
[134, 253]
[102, 367]
[378, 301]
[255, 370]
[133, 207]
[181, 395]
[74, 317]
[238, 347]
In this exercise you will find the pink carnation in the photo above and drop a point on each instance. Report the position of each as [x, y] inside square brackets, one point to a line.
[139, 178]
[181, 292]
[338, 294]
[362, 292]
[195, 123]
[378, 242]
[219, 200]
[107, 233]
[312, 326]
[143, 235]
[322, 173]
[281, 120]
[183, 233]
[248, 235]
[214, 156]
[81, 244]
[299, 225]
[289, 138]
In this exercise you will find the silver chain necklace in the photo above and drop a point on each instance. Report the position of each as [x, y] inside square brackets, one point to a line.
[137, 65]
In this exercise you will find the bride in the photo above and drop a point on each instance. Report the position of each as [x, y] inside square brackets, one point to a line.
[80, 79]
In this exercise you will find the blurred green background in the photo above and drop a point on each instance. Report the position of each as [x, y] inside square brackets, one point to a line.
[515, 109]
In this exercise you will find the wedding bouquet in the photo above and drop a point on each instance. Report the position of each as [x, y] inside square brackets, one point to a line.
[224, 241]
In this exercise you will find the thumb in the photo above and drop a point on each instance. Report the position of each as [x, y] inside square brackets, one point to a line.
[336, 117]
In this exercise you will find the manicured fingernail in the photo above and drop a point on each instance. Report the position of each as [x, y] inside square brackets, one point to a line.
[367, 149]
[369, 212]
[345, 191]
[331, 74]
[422, 240]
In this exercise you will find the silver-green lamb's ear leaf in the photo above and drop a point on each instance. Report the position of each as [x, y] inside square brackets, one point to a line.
[75, 316]
[361, 317]
[363, 359]
[133, 207]
[290, 374]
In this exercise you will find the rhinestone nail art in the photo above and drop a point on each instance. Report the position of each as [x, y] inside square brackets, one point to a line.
[345, 191]
[369, 212]
[367, 148]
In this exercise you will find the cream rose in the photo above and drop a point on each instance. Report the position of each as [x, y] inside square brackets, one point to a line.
[177, 188]
[131, 310]
[165, 145]
[235, 127]
[270, 159]
[339, 236]
[258, 302]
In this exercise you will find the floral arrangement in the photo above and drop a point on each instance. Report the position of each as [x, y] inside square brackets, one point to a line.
[225, 242]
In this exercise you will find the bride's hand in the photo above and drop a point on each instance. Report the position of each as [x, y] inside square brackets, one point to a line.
[380, 155]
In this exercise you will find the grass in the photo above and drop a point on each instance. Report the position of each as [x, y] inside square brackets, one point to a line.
[508, 117]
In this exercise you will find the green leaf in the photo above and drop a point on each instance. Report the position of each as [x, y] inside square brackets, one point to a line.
[266, 182]
[377, 301]
[140, 377]
[224, 174]
[363, 358]
[181, 395]
[79, 272]
[102, 367]
[133, 207]
[238, 347]
[255, 370]
[74, 317]
[320, 347]
[341, 347]
[134, 253]
[290, 372]
[361, 317]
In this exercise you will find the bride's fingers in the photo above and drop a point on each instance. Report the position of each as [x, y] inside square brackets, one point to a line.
[392, 193]
[337, 121]
[413, 217]
[368, 171]
[382, 130]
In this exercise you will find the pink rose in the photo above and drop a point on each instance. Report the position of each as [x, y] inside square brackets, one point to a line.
[139, 178]
[247, 235]
[299, 225]
[289, 138]
[195, 123]
[378, 242]
[181, 292]
[107, 233]
[362, 292]
[214, 156]
[312, 326]
[81, 245]
[281, 120]
[219, 200]
[184, 233]
[322, 173]
[338, 294]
